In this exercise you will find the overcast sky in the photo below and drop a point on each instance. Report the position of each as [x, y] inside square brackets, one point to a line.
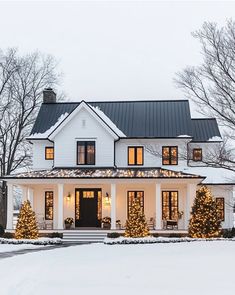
[113, 50]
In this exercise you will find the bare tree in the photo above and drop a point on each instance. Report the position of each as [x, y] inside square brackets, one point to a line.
[211, 85]
[22, 80]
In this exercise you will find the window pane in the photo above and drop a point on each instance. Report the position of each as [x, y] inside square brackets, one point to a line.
[49, 153]
[88, 195]
[174, 205]
[91, 153]
[174, 155]
[220, 207]
[166, 156]
[49, 205]
[169, 205]
[131, 156]
[133, 195]
[140, 156]
[81, 153]
[197, 154]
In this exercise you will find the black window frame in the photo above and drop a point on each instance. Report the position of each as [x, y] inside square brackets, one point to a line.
[170, 210]
[194, 150]
[135, 155]
[86, 143]
[223, 214]
[50, 192]
[46, 148]
[170, 158]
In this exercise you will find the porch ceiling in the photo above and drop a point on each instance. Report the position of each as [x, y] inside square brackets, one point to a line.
[102, 173]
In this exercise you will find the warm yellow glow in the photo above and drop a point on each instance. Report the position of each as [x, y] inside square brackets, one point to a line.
[68, 197]
[49, 153]
[131, 156]
[26, 227]
[139, 156]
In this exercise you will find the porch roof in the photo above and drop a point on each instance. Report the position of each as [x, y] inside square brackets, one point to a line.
[73, 173]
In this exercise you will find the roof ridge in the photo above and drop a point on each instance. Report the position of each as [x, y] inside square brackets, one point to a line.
[118, 101]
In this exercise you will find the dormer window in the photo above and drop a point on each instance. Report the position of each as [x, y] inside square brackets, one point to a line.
[49, 153]
[197, 155]
[135, 155]
[86, 153]
[169, 155]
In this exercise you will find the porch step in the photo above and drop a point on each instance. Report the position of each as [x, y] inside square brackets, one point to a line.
[84, 236]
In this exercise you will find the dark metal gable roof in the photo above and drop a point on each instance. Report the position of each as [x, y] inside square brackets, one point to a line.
[204, 129]
[163, 119]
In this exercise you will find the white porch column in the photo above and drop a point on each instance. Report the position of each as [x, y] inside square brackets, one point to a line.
[30, 196]
[158, 202]
[9, 206]
[190, 196]
[60, 222]
[113, 206]
[24, 193]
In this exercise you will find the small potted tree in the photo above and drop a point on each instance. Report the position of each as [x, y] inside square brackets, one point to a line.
[68, 222]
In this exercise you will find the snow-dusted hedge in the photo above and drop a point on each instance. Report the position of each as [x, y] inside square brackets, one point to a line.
[153, 240]
[40, 241]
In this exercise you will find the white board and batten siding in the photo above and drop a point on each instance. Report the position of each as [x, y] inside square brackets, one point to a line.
[85, 127]
[39, 161]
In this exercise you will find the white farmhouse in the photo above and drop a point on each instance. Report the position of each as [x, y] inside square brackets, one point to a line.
[91, 159]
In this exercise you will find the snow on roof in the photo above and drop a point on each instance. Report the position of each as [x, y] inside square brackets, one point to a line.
[107, 120]
[213, 175]
[215, 138]
[50, 130]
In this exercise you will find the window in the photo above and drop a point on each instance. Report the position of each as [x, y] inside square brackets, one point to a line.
[49, 153]
[131, 196]
[135, 155]
[170, 205]
[197, 155]
[169, 155]
[220, 207]
[86, 153]
[49, 205]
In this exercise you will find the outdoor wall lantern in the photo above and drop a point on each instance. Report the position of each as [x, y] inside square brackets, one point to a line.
[107, 199]
[68, 197]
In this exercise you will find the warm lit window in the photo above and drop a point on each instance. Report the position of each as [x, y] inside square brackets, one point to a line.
[133, 195]
[170, 205]
[86, 153]
[197, 154]
[49, 153]
[169, 155]
[135, 155]
[49, 205]
[220, 208]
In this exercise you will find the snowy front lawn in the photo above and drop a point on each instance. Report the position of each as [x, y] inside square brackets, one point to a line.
[205, 268]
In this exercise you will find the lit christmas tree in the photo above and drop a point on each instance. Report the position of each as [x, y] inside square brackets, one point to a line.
[26, 227]
[136, 225]
[204, 221]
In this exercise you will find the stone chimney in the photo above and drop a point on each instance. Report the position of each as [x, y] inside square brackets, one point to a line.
[49, 96]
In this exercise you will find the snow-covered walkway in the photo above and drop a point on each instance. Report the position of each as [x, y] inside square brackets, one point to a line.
[205, 268]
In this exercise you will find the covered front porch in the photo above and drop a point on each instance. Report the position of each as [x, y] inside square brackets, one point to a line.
[166, 201]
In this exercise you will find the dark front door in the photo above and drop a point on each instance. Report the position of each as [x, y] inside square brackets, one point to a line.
[86, 207]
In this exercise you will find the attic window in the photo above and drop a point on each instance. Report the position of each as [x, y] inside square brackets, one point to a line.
[197, 155]
[49, 153]
[83, 123]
